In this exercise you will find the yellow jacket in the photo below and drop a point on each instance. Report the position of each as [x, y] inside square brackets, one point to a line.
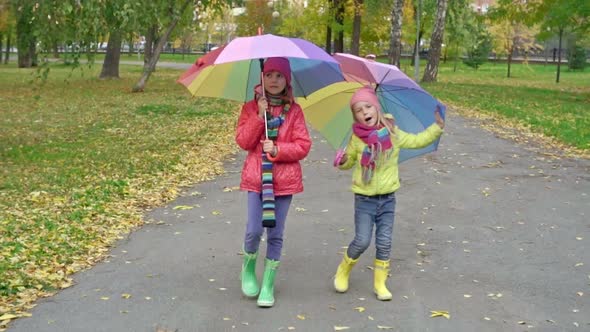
[385, 178]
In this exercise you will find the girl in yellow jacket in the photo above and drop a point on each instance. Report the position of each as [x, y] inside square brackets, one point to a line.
[374, 149]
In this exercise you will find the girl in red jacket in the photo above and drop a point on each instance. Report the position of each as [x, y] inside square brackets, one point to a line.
[271, 172]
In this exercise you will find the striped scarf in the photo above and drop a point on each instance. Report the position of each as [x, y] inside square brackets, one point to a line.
[268, 198]
[378, 141]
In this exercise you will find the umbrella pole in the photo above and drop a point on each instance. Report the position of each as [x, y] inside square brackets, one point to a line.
[264, 95]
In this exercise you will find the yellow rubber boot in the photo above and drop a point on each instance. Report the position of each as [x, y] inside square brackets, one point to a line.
[343, 272]
[381, 272]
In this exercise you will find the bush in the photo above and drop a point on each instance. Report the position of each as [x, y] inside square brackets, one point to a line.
[577, 58]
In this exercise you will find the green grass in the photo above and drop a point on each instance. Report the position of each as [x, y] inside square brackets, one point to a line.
[81, 157]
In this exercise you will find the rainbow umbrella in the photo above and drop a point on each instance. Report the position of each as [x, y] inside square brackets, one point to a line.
[233, 70]
[328, 110]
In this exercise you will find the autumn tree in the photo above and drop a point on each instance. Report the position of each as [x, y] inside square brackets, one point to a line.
[559, 17]
[436, 40]
[459, 15]
[258, 15]
[395, 50]
[478, 42]
[7, 24]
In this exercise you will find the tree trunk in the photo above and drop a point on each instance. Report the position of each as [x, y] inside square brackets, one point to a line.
[395, 50]
[339, 40]
[329, 29]
[431, 70]
[150, 41]
[559, 55]
[7, 54]
[55, 50]
[131, 48]
[110, 66]
[456, 57]
[328, 39]
[356, 27]
[509, 61]
[23, 38]
[140, 85]
[416, 48]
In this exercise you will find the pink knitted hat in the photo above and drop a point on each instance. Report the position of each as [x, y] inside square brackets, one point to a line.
[281, 65]
[366, 94]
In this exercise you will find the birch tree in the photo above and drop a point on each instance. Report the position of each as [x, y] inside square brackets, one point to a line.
[431, 70]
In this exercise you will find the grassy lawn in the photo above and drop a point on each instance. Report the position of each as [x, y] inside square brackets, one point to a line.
[81, 158]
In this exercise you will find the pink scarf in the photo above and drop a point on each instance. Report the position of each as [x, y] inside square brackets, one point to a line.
[378, 141]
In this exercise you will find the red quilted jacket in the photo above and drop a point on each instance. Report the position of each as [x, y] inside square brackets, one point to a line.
[293, 144]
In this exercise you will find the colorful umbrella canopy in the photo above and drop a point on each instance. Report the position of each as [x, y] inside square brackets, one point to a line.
[328, 109]
[368, 71]
[234, 70]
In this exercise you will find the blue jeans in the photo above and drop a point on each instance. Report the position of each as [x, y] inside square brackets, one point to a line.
[369, 210]
[254, 229]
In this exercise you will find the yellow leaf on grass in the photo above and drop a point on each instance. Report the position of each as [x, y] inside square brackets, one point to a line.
[359, 309]
[8, 316]
[182, 207]
[440, 313]
[341, 328]
[301, 317]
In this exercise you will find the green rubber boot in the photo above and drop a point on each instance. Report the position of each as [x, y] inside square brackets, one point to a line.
[249, 283]
[266, 298]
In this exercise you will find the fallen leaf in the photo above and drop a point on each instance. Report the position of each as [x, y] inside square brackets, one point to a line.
[291, 328]
[381, 327]
[359, 309]
[467, 295]
[301, 317]
[580, 293]
[371, 318]
[300, 209]
[341, 328]
[487, 318]
[8, 316]
[125, 295]
[216, 213]
[226, 318]
[182, 207]
[104, 298]
[440, 313]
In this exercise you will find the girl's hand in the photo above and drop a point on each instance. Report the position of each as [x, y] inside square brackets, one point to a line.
[262, 106]
[438, 118]
[343, 159]
[268, 146]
